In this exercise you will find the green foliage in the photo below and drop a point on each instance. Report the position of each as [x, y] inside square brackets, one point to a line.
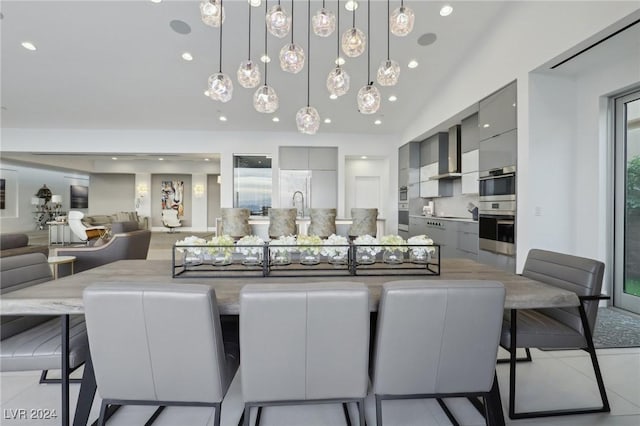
[633, 185]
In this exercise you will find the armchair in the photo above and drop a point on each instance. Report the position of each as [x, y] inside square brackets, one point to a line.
[170, 219]
[85, 233]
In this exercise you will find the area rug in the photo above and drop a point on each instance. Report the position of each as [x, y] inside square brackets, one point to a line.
[616, 328]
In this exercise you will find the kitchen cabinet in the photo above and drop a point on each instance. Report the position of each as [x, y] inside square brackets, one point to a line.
[468, 240]
[499, 151]
[417, 225]
[323, 189]
[305, 158]
[497, 112]
[432, 148]
[409, 156]
[470, 133]
[470, 183]
[470, 163]
[426, 172]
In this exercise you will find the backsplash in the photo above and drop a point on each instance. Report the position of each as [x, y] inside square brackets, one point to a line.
[455, 206]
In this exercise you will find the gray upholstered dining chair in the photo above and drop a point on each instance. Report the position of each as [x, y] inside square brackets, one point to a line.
[304, 343]
[161, 359]
[561, 328]
[438, 339]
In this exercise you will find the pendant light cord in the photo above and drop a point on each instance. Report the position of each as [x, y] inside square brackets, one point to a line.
[292, 20]
[308, 50]
[249, 56]
[338, 34]
[388, 29]
[369, 43]
[266, 54]
[221, 16]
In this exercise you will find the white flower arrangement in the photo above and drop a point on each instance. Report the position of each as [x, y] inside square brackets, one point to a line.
[249, 240]
[191, 241]
[309, 240]
[223, 243]
[335, 240]
[421, 240]
[288, 241]
[395, 241]
[364, 240]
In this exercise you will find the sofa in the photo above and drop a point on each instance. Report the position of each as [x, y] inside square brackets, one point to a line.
[132, 244]
[32, 342]
[15, 244]
[101, 219]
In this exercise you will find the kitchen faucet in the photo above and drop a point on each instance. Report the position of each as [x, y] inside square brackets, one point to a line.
[293, 200]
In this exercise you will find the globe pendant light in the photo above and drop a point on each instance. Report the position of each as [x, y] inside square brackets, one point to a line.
[291, 55]
[212, 12]
[369, 95]
[402, 20]
[248, 73]
[324, 22]
[338, 79]
[278, 22]
[307, 118]
[265, 99]
[389, 70]
[220, 85]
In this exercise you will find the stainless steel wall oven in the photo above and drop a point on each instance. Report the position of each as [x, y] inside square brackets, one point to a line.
[497, 210]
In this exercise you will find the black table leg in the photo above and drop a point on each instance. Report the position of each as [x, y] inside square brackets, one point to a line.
[494, 403]
[86, 396]
[64, 375]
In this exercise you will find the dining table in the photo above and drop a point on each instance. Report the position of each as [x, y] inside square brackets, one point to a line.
[63, 297]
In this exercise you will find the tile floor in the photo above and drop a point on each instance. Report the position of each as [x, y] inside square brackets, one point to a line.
[556, 379]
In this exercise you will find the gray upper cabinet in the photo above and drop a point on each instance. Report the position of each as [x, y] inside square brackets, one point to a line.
[470, 133]
[323, 158]
[429, 151]
[499, 151]
[409, 156]
[303, 158]
[497, 112]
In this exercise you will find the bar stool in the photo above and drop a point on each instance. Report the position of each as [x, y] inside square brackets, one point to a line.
[282, 222]
[235, 222]
[323, 222]
[364, 222]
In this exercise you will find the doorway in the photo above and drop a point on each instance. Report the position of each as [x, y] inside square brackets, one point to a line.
[627, 202]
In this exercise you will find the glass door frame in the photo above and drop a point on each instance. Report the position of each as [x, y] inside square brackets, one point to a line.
[621, 299]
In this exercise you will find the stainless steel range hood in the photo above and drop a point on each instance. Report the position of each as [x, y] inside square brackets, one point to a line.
[449, 155]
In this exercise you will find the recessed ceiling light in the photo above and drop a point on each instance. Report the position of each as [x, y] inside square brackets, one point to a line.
[364, 157]
[206, 159]
[393, 98]
[413, 64]
[265, 58]
[377, 122]
[275, 119]
[485, 125]
[446, 10]
[187, 56]
[327, 120]
[255, 3]
[514, 104]
[160, 159]
[351, 5]
[333, 96]
[114, 158]
[223, 118]
[28, 45]
[155, 1]
[340, 60]
[206, 93]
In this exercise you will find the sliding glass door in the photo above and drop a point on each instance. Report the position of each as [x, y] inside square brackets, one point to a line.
[627, 212]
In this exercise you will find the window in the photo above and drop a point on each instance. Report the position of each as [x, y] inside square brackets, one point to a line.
[252, 183]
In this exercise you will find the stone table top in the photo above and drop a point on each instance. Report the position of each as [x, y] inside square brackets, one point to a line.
[64, 296]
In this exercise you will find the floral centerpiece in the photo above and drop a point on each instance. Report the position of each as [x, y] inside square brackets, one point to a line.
[336, 255]
[221, 250]
[280, 249]
[191, 255]
[367, 249]
[396, 247]
[421, 254]
[251, 247]
[309, 247]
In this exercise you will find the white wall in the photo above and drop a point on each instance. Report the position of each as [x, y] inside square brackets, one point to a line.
[23, 183]
[110, 193]
[371, 168]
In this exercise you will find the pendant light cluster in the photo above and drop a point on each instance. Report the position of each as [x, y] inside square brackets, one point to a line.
[324, 23]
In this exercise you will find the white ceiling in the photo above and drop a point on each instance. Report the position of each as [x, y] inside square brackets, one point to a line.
[117, 65]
